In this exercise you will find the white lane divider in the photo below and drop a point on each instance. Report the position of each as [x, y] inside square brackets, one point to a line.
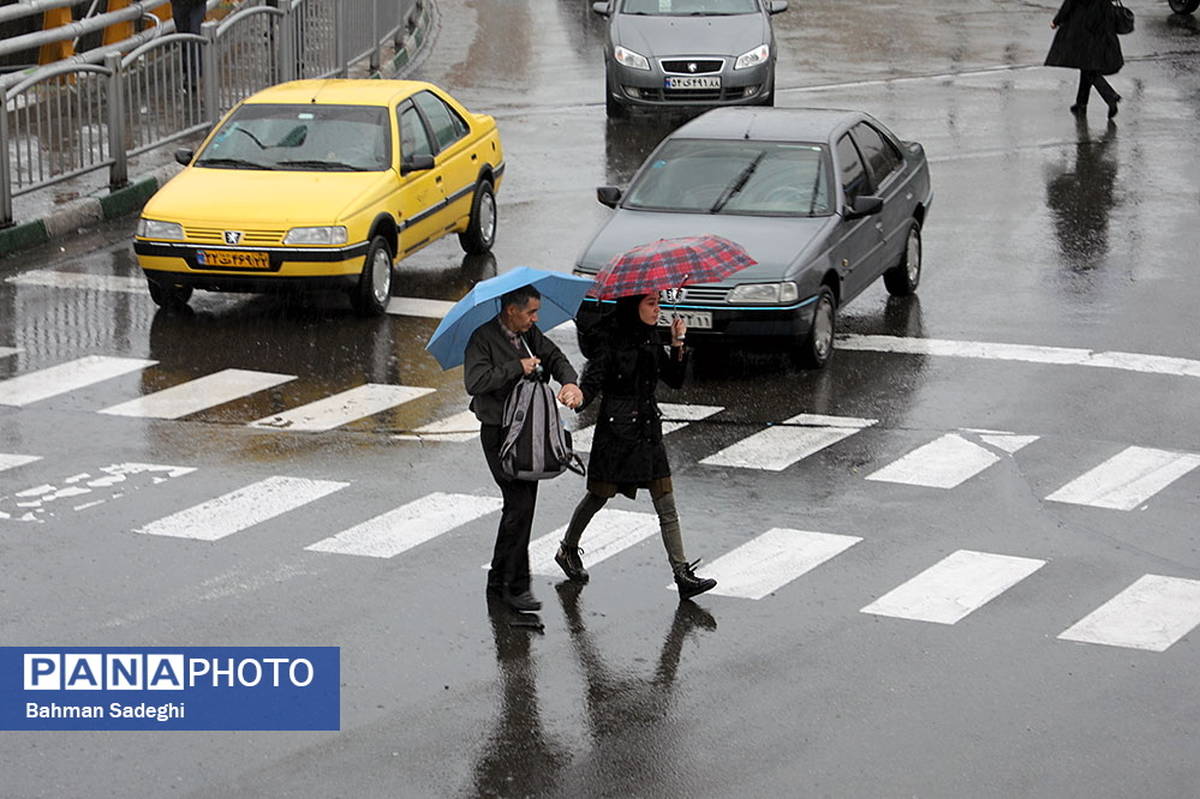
[1127, 479]
[772, 560]
[81, 280]
[1153, 614]
[777, 448]
[196, 395]
[343, 408]
[399, 530]
[610, 532]
[680, 416]
[8, 461]
[233, 512]
[948, 461]
[55, 380]
[459, 427]
[417, 306]
[954, 587]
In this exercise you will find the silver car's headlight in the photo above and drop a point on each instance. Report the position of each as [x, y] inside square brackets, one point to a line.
[581, 273]
[154, 229]
[332, 234]
[758, 55]
[763, 293]
[628, 58]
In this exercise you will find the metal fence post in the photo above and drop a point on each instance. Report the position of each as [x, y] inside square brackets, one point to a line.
[374, 63]
[340, 35]
[6, 206]
[212, 80]
[118, 173]
[287, 43]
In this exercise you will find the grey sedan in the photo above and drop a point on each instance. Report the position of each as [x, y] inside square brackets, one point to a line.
[688, 52]
[825, 201]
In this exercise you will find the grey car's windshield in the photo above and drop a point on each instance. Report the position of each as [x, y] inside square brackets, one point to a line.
[685, 8]
[734, 177]
[331, 138]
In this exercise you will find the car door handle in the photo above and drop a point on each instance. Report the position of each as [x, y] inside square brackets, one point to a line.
[475, 157]
[437, 179]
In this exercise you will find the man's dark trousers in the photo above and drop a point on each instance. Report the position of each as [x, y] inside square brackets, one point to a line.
[510, 560]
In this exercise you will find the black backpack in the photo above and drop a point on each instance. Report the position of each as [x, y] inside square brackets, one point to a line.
[536, 446]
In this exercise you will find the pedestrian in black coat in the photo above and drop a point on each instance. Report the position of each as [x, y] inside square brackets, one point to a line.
[1086, 40]
[625, 363]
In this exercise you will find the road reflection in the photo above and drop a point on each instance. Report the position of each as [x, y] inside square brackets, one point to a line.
[1080, 197]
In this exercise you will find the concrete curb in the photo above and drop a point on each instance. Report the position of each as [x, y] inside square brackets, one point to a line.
[130, 199]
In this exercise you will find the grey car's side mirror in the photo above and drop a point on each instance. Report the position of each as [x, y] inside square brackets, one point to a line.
[601, 9]
[184, 156]
[778, 6]
[416, 163]
[864, 206]
[608, 195]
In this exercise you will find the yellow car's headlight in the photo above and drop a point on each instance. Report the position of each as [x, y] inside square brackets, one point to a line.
[331, 234]
[154, 229]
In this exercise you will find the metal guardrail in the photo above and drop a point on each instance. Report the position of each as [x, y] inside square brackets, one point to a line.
[73, 118]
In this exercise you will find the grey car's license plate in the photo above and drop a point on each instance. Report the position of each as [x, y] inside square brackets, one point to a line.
[700, 320]
[694, 82]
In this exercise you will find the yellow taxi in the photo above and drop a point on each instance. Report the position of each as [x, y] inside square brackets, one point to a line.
[322, 183]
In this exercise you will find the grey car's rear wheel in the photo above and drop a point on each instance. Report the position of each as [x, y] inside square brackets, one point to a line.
[370, 296]
[1184, 6]
[480, 234]
[817, 347]
[166, 295]
[903, 278]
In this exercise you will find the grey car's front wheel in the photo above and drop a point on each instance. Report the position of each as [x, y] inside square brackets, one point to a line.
[370, 296]
[613, 107]
[903, 278]
[1184, 6]
[817, 347]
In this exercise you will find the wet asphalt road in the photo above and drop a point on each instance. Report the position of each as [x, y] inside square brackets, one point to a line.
[1044, 232]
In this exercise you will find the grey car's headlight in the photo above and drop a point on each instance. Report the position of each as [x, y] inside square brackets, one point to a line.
[153, 229]
[581, 273]
[763, 293]
[332, 234]
[758, 55]
[628, 58]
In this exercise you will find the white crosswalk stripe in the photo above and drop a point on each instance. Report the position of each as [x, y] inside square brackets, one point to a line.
[64, 377]
[9, 461]
[7, 351]
[199, 394]
[772, 560]
[243, 508]
[399, 530]
[954, 587]
[1153, 614]
[1127, 479]
[949, 461]
[81, 280]
[83, 490]
[417, 306]
[348, 406]
[610, 532]
[676, 417]
[777, 448]
[459, 427]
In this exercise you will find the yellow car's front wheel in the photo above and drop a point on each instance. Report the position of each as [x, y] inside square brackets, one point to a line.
[370, 297]
[169, 295]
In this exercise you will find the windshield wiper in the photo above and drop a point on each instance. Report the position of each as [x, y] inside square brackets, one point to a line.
[738, 184]
[315, 163]
[236, 163]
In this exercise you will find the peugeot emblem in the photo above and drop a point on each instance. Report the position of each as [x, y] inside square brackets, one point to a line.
[233, 236]
[692, 66]
[671, 296]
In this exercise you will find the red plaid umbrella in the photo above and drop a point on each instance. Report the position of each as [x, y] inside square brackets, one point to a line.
[669, 264]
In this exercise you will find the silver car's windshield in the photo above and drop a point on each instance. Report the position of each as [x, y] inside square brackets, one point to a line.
[684, 8]
[333, 138]
[734, 177]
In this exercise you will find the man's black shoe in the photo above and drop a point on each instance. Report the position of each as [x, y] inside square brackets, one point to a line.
[569, 561]
[1079, 108]
[524, 601]
[688, 583]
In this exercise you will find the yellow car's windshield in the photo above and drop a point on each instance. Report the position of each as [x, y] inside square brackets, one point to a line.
[334, 138]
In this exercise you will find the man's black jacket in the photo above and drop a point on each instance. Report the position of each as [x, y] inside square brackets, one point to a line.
[492, 366]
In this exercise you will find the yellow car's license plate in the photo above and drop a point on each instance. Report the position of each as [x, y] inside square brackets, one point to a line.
[228, 259]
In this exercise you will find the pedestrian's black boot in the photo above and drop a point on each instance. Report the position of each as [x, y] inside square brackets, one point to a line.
[689, 584]
[524, 601]
[1079, 108]
[1112, 107]
[569, 560]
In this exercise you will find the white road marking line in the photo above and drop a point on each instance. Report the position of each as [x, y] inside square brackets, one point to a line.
[1127, 479]
[115, 481]
[8, 461]
[399, 530]
[81, 280]
[417, 306]
[343, 408]
[54, 380]
[610, 532]
[948, 461]
[459, 427]
[7, 351]
[196, 395]
[243, 508]
[772, 560]
[1008, 442]
[777, 448]
[581, 440]
[1152, 614]
[1029, 353]
[959, 584]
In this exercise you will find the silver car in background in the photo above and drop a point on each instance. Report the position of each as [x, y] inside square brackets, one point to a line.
[663, 53]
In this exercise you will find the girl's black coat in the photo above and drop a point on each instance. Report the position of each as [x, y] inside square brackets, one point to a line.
[1086, 38]
[624, 371]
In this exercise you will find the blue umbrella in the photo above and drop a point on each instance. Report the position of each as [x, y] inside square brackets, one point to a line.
[561, 296]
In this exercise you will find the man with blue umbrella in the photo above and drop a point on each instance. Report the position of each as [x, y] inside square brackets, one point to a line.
[505, 345]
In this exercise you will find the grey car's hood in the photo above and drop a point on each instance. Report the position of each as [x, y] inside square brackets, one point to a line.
[775, 242]
[659, 37]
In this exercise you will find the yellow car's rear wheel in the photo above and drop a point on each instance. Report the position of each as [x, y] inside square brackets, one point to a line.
[370, 296]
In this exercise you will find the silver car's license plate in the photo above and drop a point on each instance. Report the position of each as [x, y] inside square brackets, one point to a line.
[694, 82]
[700, 320]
